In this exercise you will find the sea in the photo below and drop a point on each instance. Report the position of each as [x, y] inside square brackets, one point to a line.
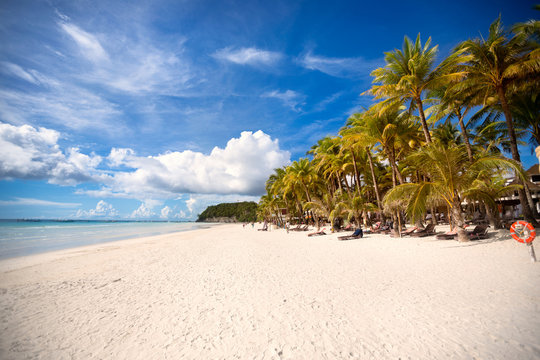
[20, 238]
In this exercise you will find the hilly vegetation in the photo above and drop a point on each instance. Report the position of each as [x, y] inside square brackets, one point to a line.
[230, 212]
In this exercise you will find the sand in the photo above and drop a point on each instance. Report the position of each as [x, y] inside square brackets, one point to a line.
[234, 293]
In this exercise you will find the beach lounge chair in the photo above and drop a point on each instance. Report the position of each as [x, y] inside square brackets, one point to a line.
[357, 234]
[317, 233]
[265, 227]
[427, 231]
[449, 235]
[407, 232]
[384, 230]
[479, 232]
[374, 228]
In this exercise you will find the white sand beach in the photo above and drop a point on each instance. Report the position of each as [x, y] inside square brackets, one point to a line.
[234, 293]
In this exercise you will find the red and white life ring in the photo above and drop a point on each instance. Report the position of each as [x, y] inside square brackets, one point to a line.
[519, 236]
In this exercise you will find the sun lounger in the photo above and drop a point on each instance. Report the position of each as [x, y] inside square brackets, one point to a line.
[479, 232]
[384, 230]
[407, 232]
[427, 231]
[317, 233]
[374, 228]
[357, 234]
[449, 235]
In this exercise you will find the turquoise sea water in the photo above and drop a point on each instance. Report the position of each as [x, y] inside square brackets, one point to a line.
[26, 237]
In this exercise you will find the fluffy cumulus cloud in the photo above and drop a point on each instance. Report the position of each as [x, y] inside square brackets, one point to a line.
[242, 167]
[166, 212]
[248, 56]
[142, 212]
[30, 153]
[102, 210]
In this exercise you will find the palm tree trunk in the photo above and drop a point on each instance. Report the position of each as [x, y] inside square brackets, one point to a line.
[339, 182]
[423, 119]
[356, 176]
[492, 217]
[375, 183]
[347, 184]
[392, 160]
[527, 211]
[458, 221]
[464, 134]
[396, 222]
[530, 200]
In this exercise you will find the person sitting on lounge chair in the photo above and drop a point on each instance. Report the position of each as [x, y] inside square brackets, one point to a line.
[357, 234]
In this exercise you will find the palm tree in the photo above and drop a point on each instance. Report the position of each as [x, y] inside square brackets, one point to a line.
[451, 175]
[355, 206]
[454, 105]
[410, 72]
[530, 28]
[487, 189]
[326, 206]
[495, 65]
[393, 130]
[525, 107]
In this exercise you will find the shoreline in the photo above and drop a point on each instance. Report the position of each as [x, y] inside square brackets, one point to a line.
[26, 246]
[229, 291]
[13, 263]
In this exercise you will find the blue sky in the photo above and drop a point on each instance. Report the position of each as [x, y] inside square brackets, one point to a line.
[156, 109]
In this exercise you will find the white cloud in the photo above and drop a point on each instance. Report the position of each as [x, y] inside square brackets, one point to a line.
[290, 98]
[166, 212]
[132, 63]
[242, 167]
[103, 209]
[190, 203]
[248, 56]
[30, 153]
[37, 202]
[339, 67]
[16, 70]
[142, 212]
[88, 43]
[328, 100]
[60, 103]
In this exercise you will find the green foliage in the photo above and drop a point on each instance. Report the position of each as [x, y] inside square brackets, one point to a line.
[402, 157]
[241, 211]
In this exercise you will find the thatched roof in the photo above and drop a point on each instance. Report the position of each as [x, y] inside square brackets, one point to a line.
[533, 170]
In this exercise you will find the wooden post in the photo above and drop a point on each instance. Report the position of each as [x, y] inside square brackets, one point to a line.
[531, 251]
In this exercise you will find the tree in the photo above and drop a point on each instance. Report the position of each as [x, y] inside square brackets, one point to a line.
[495, 65]
[410, 72]
[487, 189]
[451, 175]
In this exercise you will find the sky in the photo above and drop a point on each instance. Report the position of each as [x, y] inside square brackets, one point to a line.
[157, 109]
